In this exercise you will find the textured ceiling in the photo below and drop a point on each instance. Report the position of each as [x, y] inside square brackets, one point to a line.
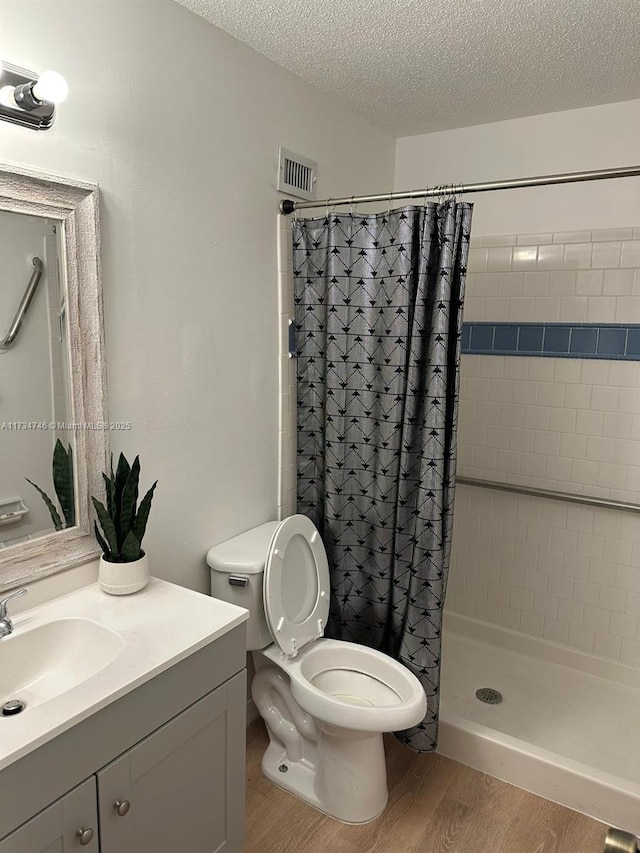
[415, 66]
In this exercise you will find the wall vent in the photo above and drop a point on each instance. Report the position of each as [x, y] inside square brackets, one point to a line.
[296, 174]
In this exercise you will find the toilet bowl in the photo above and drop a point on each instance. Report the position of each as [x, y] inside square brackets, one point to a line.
[354, 687]
[325, 702]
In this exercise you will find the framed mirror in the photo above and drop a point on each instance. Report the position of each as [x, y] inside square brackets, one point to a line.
[54, 440]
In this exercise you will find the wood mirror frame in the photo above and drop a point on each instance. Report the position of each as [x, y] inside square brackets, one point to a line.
[76, 206]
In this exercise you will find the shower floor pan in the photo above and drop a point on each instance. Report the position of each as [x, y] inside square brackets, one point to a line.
[567, 728]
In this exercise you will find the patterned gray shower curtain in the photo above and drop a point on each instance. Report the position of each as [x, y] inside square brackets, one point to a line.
[378, 303]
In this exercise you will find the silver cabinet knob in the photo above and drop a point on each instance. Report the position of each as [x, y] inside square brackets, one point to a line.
[84, 836]
[122, 807]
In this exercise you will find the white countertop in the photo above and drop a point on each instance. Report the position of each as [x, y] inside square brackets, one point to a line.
[159, 626]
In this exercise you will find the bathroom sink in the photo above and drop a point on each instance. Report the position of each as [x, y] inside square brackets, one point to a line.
[39, 663]
[73, 655]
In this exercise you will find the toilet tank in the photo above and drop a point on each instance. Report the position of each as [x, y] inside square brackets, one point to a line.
[237, 569]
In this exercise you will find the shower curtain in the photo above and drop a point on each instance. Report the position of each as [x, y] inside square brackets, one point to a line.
[378, 305]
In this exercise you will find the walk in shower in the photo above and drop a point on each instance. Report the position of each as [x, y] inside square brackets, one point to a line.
[544, 594]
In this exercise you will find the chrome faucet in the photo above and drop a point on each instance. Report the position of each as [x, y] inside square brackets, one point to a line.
[6, 625]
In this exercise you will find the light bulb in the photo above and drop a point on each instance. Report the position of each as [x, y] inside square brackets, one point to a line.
[51, 87]
[6, 97]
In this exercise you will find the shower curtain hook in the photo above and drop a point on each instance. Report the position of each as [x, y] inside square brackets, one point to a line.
[389, 208]
[327, 211]
[351, 206]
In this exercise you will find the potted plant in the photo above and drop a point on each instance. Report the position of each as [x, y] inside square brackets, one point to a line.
[123, 564]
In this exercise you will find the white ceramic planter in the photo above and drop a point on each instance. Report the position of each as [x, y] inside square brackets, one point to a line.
[123, 578]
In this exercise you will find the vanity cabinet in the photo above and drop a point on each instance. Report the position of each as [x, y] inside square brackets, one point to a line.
[171, 792]
[67, 826]
[161, 769]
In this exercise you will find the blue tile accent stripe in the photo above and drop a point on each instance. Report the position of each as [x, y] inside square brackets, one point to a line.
[558, 340]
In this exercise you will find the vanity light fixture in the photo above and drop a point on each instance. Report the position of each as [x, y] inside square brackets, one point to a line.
[30, 100]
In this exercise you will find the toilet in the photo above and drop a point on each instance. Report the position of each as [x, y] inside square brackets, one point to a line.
[325, 702]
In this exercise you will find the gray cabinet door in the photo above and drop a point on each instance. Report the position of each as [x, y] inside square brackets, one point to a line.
[55, 829]
[181, 788]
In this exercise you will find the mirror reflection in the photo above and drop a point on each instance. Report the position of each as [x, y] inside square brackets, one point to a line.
[36, 444]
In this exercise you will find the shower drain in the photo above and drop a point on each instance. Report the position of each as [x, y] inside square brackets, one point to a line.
[489, 695]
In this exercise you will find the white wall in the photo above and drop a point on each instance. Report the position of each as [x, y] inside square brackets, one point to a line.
[180, 124]
[576, 140]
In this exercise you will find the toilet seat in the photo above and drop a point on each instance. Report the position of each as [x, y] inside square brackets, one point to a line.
[296, 585]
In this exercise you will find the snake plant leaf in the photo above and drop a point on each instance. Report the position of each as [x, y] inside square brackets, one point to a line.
[130, 550]
[110, 490]
[108, 526]
[101, 540]
[140, 522]
[55, 517]
[129, 500]
[122, 472]
[63, 481]
[72, 518]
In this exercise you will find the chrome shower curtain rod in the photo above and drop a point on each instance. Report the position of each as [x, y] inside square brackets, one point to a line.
[288, 205]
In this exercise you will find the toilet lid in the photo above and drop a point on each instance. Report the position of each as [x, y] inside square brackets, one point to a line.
[296, 584]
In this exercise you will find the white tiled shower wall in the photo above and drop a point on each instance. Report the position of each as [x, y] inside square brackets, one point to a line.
[566, 424]
[573, 276]
[564, 572]
[561, 423]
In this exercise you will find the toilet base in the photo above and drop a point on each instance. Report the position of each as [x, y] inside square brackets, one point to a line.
[298, 779]
[348, 784]
[339, 771]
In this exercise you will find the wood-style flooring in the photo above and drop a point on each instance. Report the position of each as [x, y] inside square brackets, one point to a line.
[435, 806]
